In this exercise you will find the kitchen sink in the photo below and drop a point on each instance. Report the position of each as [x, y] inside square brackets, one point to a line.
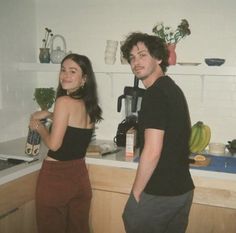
[4, 164]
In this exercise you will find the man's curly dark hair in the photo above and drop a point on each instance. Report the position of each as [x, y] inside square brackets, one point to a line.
[155, 45]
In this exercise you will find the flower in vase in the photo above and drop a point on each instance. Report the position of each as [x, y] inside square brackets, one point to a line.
[47, 38]
[169, 35]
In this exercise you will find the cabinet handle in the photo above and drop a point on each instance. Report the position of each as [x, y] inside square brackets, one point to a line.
[8, 213]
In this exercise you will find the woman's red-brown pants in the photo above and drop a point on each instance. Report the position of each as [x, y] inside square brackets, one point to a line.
[63, 197]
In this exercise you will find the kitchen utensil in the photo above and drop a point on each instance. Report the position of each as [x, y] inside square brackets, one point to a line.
[133, 97]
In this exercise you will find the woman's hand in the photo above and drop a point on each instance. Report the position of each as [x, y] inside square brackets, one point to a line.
[34, 124]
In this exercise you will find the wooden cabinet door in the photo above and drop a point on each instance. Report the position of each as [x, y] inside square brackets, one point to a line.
[106, 212]
[211, 219]
[19, 220]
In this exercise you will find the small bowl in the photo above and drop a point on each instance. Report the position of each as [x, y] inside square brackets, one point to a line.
[214, 61]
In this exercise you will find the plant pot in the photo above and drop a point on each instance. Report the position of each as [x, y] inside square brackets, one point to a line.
[44, 55]
[172, 54]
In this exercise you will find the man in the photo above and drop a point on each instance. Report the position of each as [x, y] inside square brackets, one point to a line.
[162, 192]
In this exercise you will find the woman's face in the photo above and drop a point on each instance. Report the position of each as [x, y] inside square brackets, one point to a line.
[71, 76]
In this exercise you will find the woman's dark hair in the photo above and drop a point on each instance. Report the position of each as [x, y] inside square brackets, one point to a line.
[89, 91]
[155, 45]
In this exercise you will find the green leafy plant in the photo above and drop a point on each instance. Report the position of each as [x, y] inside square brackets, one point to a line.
[172, 36]
[45, 97]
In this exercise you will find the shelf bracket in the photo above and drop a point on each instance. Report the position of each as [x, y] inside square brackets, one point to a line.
[202, 87]
[110, 75]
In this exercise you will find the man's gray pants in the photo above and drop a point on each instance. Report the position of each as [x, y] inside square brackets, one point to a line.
[157, 214]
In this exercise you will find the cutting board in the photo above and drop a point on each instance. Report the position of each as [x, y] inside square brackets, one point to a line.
[204, 163]
[94, 150]
[97, 150]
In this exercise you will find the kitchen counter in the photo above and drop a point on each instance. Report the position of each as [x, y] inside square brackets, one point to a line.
[16, 147]
[111, 178]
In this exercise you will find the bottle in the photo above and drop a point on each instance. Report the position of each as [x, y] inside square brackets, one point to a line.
[33, 142]
[130, 142]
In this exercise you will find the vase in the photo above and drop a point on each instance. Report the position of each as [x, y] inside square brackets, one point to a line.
[172, 54]
[110, 52]
[44, 55]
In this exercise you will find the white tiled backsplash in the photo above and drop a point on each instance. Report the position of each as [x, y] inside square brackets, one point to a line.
[213, 102]
[211, 99]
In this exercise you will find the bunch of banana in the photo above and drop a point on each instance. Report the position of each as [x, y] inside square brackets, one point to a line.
[200, 137]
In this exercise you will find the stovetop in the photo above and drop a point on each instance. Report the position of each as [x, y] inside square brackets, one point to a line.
[4, 164]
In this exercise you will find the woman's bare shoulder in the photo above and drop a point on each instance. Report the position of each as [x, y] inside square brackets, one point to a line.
[69, 102]
[64, 100]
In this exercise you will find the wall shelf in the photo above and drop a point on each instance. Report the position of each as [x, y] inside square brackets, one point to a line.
[49, 67]
[39, 67]
[200, 70]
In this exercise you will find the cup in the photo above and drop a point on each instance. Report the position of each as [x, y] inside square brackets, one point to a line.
[110, 52]
[112, 43]
[110, 60]
[217, 148]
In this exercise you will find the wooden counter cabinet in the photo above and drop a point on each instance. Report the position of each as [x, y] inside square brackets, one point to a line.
[213, 209]
[111, 187]
[17, 208]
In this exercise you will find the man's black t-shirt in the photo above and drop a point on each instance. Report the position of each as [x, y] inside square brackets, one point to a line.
[164, 107]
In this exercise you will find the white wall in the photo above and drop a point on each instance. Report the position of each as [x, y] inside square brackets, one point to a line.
[86, 25]
[17, 37]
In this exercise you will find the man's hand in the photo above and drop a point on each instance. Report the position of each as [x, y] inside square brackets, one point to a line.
[136, 195]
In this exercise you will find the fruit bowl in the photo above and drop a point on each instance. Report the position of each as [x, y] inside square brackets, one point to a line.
[214, 61]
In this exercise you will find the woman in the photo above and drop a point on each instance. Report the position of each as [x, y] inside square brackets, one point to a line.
[63, 194]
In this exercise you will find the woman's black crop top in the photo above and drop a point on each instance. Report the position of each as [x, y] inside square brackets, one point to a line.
[74, 145]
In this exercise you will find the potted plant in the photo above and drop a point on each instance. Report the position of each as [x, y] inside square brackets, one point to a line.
[44, 97]
[172, 37]
[44, 55]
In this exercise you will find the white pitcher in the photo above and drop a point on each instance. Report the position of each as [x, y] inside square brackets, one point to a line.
[57, 55]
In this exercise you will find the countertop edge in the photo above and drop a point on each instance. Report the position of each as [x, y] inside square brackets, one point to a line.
[117, 160]
[19, 171]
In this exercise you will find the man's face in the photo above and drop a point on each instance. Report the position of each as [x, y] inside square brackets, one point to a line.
[142, 63]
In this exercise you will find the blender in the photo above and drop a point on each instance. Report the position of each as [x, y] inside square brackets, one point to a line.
[132, 97]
